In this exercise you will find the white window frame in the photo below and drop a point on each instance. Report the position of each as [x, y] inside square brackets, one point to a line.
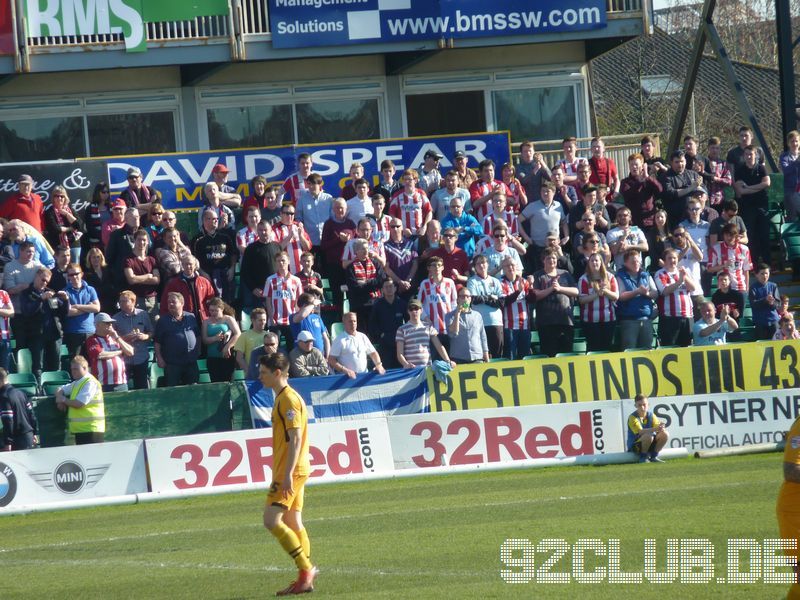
[236, 96]
[97, 104]
[487, 81]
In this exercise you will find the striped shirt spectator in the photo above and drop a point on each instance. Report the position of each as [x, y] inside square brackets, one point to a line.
[601, 309]
[677, 303]
[733, 259]
[412, 209]
[281, 291]
[414, 341]
[437, 295]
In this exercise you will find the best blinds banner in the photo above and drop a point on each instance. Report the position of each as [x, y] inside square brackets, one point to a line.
[303, 23]
[180, 177]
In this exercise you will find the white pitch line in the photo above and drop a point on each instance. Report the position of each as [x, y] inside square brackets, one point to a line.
[359, 571]
[344, 517]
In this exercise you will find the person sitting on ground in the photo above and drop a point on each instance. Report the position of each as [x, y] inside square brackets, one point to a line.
[647, 435]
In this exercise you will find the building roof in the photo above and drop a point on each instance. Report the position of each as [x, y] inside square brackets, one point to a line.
[636, 88]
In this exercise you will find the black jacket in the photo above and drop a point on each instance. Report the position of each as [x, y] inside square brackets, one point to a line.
[16, 412]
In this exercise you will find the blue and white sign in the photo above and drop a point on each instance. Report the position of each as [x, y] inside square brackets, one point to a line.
[339, 398]
[180, 177]
[303, 23]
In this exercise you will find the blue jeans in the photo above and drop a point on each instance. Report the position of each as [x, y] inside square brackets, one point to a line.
[516, 343]
[5, 354]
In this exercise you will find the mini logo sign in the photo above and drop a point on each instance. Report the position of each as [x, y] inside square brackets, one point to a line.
[8, 485]
[69, 477]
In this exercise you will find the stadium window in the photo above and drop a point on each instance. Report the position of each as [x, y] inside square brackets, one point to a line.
[445, 113]
[337, 121]
[530, 103]
[139, 133]
[536, 113]
[27, 140]
[250, 126]
[281, 114]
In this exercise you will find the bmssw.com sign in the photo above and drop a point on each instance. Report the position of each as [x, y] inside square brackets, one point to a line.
[303, 23]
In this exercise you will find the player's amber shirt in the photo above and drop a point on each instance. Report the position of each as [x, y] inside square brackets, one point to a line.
[789, 496]
[289, 412]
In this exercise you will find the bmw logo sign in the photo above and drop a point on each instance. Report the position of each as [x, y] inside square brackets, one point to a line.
[8, 485]
[69, 477]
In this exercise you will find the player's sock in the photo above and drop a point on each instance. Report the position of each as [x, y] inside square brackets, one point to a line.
[291, 544]
[302, 535]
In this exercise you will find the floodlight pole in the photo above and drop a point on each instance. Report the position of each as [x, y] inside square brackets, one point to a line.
[708, 31]
[783, 26]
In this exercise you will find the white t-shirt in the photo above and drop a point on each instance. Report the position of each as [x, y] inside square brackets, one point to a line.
[88, 391]
[352, 351]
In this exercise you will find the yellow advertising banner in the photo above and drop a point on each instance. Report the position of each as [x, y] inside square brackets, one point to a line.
[619, 375]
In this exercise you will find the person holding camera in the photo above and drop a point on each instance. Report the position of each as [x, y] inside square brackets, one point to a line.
[41, 318]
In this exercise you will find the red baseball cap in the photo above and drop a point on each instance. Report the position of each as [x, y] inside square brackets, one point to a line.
[220, 168]
[119, 203]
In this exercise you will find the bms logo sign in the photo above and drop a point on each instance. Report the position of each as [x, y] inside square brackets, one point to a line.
[8, 485]
[70, 477]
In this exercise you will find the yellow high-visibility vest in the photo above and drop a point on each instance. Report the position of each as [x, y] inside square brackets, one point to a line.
[92, 416]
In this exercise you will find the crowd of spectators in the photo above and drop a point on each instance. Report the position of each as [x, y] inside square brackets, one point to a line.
[461, 265]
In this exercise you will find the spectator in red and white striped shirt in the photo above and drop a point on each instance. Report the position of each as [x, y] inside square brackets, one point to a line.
[297, 181]
[598, 295]
[410, 204]
[281, 291]
[437, 294]
[675, 287]
[292, 237]
[517, 291]
[481, 191]
[499, 212]
[732, 256]
[106, 350]
[248, 234]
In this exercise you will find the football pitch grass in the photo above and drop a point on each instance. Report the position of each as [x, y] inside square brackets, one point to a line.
[427, 537]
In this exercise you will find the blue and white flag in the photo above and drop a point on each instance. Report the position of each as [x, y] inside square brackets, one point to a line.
[339, 398]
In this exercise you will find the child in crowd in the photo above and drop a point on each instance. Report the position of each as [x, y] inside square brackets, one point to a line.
[764, 300]
[786, 329]
[311, 280]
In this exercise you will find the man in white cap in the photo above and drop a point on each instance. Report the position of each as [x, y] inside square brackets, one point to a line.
[24, 204]
[106, 351]
[137, 194]
[304, 359]
[227, 194]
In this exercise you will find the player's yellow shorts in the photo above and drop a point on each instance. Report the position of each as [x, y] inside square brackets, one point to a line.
[789, 527]
[295, 500]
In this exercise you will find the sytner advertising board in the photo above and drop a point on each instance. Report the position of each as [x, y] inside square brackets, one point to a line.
[725, 420]
[57, 475]
[506, 435]
[244, 458]
[180, 177]
[303, 23]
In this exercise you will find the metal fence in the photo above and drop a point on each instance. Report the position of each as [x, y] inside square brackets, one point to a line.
[618, 148]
